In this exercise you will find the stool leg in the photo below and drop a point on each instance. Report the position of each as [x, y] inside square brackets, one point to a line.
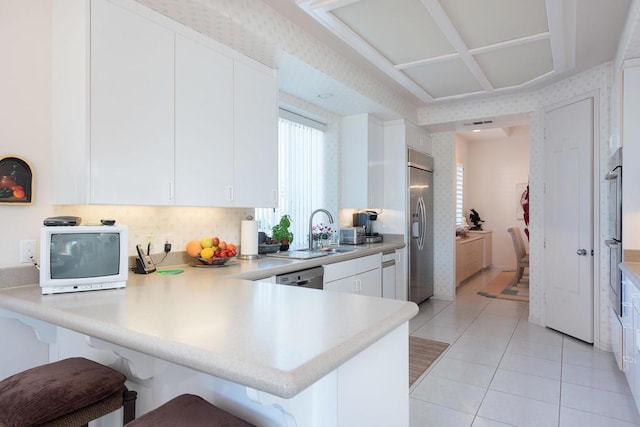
[129, 406]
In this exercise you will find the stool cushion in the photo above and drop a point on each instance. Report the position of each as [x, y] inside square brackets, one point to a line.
[188, 410]
[46, 392]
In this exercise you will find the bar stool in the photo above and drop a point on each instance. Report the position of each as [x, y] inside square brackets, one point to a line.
[67, 393]
[188, 410]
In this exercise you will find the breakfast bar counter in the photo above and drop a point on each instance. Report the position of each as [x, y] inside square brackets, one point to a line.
[271, 339]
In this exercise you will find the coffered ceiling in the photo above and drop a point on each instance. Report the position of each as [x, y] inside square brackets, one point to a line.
[442, 50]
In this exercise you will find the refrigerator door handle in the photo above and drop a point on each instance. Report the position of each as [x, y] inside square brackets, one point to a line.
[422, 221]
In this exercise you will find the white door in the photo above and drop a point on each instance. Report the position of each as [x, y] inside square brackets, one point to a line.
[568, 276]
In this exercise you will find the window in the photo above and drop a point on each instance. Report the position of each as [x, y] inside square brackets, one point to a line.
[459, 194]
[301, 176]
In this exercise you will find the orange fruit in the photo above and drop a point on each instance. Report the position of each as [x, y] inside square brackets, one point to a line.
[194, 248]
[18, 194]
[231, 247]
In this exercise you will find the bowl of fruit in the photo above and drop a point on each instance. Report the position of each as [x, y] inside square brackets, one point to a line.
[211, 251]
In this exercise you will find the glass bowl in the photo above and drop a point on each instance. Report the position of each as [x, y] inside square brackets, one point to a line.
[214, 260]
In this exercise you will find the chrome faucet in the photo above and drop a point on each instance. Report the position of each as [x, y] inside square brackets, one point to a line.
[311, 224]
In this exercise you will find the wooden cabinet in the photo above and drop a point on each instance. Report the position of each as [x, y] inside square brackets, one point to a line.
[487, 248]
[165, 116]
[362, 162]
[469, 257]
[360, 276]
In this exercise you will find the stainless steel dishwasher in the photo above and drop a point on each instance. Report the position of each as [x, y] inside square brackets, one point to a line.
[310, 278]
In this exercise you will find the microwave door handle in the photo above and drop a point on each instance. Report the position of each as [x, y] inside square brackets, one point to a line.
[611, 243]
[610, 176]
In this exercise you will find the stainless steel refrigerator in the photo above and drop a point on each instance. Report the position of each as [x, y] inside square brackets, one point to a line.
[420, 227]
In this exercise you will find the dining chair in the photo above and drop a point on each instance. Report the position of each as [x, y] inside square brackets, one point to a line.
[522, 257]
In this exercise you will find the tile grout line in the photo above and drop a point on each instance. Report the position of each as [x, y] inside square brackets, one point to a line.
[486, 391]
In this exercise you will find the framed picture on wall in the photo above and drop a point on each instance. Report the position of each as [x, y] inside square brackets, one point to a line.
[16, 181]
[520, 187]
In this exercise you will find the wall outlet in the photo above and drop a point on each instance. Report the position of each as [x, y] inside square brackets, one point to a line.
[159, 241]
[27, 250]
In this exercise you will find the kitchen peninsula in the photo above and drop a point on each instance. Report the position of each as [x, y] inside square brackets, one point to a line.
[275, 355]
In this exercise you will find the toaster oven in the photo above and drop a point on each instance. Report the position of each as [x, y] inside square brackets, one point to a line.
[352, 235]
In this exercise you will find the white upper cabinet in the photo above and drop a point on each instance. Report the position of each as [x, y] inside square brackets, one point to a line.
[631, 152]
[362, 162]
[132, 66]
[255, 112]
[149, 112]
[204, 125]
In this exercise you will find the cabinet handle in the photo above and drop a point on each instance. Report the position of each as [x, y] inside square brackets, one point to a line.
[274, 197]
[170, 189]
[229, 194]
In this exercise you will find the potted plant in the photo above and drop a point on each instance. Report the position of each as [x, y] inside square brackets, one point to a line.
[282, 234]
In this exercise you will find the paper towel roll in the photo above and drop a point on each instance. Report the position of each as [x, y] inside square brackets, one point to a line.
[249, 237]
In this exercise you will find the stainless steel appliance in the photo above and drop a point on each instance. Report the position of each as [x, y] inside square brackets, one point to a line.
[389, 274]
[352, 235]
[366, 220]
[310, 278]
[420, 226]
[614, 243]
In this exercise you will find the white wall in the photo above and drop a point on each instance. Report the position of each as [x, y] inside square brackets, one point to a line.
[492, 170]
[25, 111]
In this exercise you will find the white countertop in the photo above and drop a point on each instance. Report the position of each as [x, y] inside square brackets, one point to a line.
[275, 338]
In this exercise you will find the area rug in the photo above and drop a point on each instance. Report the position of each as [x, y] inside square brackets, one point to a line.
[499, 288]
[422, 353]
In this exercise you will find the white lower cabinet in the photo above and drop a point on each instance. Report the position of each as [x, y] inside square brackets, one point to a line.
[359, 276]
[631, 336]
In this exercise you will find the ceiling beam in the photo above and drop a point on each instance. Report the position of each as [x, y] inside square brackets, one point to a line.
[338, 28]
[446, 26]
[562, 16]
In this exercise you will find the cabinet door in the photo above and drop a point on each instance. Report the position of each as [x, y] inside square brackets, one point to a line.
[370, 283]
[348, 284]
[256, 137]
[362, 162]
[204, 125]
[132, 100]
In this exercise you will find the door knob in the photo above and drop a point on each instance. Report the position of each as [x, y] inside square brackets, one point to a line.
[581, 251]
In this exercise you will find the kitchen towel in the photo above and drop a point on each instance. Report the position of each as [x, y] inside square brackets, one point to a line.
[249, 237]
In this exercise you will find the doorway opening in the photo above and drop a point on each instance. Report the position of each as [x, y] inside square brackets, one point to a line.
[495, 165]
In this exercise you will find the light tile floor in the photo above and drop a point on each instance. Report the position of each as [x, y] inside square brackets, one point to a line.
[501, 370]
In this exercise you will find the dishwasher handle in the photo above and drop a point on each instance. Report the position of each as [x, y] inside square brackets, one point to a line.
[300, 283]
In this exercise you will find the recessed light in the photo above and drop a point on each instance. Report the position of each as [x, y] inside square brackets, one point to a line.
[475, 130]
[325, 95]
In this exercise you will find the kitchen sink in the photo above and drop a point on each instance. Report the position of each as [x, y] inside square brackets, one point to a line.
[300, 254]
[315, 253]
[336, 250]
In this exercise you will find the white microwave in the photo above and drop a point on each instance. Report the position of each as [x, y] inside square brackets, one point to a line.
[83, 258]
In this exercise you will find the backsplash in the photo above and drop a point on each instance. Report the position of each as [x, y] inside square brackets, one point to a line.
[178, 225]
